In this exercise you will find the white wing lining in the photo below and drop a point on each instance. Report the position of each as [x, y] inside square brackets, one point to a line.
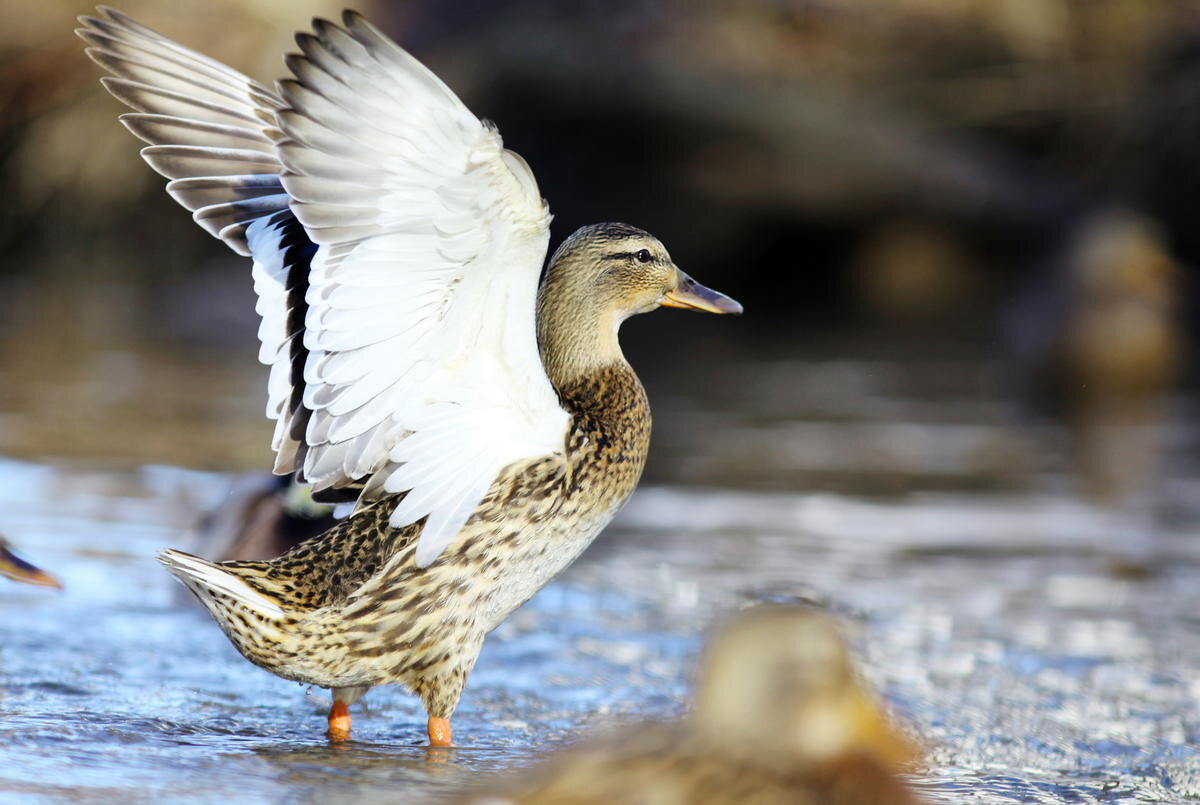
[419, 372]
[423, 375]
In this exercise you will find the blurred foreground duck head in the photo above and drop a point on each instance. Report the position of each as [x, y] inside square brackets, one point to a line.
[778, 683]
[778, 717]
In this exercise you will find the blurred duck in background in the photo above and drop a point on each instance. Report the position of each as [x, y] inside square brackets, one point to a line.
[1121, 352]
[262, 517]
[780, 716]
[1106, 349]
[15, 568]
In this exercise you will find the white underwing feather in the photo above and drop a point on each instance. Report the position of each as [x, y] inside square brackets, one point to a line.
[421, 373]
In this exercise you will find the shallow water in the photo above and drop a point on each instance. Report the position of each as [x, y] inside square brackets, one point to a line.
[1046, 649]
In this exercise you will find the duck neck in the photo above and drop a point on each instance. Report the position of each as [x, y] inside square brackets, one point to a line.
[608, 406]
[576, 340]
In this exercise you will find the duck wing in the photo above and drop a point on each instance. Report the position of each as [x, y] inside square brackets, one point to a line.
[209, 126]
[397, 271]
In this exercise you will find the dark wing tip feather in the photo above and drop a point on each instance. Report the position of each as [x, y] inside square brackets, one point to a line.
[352, 18]
[320, 25]
[128, 23]
[291, 60]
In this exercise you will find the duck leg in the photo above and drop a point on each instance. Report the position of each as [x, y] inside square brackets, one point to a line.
[339, 721]
[440, 693]
[440, 733]
[339, 713]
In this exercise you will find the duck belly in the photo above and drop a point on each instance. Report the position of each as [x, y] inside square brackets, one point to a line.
[534, 565]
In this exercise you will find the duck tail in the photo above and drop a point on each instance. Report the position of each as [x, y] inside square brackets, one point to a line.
[207, 579]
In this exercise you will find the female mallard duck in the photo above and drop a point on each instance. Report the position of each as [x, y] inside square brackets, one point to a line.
[779, 717]
[15, 568]
[488, 428]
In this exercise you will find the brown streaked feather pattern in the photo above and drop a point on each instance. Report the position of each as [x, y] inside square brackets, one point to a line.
[667, 765]
[359, 612]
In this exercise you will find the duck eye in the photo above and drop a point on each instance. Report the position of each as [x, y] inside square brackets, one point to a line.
[644, 256]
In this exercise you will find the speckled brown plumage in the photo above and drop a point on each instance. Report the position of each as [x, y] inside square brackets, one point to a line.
[351, 608]
[360, 613]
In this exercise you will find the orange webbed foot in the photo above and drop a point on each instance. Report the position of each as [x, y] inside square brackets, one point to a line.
[440, 733]
[339, 722]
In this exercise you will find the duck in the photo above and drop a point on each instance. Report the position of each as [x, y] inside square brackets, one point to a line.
[779, 716]
[15, 568]
[480, 417]
[262, 517]
[1099, 343]
[1118, 354]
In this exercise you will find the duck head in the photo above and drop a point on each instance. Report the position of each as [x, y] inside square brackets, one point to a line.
[600, 276]
[779, 686]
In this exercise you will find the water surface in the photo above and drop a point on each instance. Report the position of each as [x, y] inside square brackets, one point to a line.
[1046, 649]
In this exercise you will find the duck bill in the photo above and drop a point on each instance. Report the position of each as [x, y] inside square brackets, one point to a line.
[17, 569]
[691, 295]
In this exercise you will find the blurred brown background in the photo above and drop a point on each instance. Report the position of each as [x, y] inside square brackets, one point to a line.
[1002, 186]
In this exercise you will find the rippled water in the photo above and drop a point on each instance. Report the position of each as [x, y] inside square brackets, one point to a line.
[1047, 650]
